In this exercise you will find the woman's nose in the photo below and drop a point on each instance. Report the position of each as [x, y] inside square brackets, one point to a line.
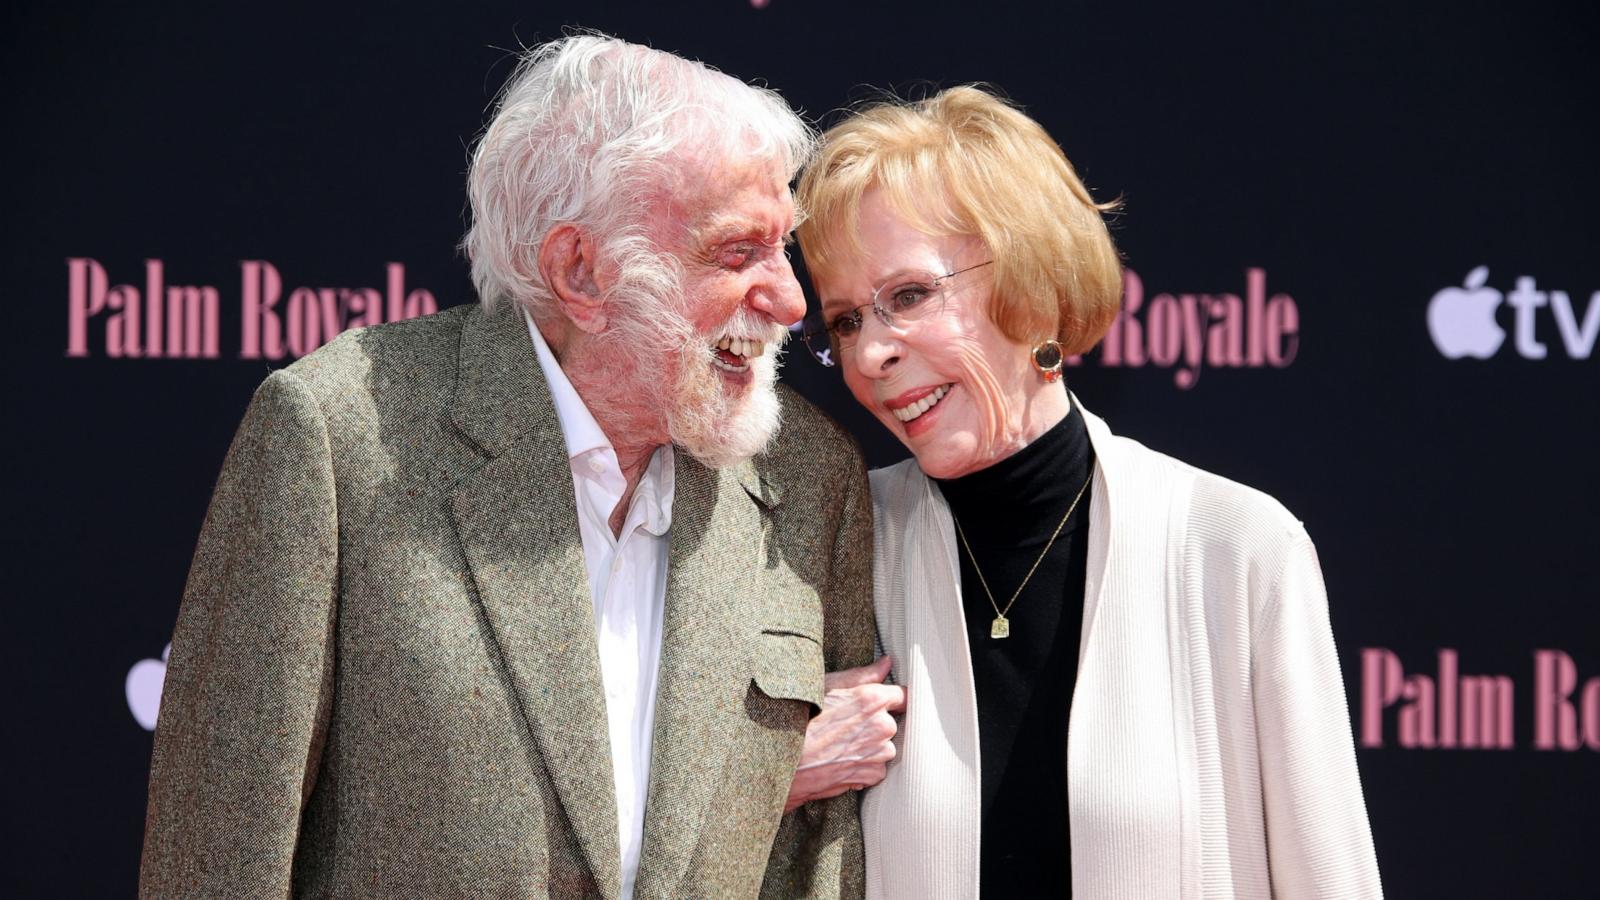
[878, 349]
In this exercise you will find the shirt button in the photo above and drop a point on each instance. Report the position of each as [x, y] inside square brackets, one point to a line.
[597, 465]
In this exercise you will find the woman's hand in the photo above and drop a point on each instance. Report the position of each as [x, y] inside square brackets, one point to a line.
[850, 742]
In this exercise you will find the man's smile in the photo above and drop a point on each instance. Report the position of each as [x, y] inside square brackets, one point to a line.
[731, 354]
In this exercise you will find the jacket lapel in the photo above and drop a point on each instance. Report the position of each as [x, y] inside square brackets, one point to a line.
[714, 564]
[517, 521]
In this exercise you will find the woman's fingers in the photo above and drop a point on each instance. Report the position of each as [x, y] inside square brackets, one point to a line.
[851, 741]
[849, 678]
[896, 698]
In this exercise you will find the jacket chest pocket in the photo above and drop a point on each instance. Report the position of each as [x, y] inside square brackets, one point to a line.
[786, 679]
[786, 659]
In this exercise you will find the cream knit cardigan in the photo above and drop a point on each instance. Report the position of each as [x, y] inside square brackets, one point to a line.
[1209, 752]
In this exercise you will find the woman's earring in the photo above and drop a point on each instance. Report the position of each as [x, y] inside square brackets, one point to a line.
[1047, 359]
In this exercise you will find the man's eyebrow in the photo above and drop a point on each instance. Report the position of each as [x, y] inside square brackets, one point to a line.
[731, 226]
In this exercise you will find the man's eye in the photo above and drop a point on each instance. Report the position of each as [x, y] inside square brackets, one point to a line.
[737, 256]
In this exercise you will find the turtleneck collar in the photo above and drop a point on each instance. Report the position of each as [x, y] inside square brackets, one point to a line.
[1016, 498]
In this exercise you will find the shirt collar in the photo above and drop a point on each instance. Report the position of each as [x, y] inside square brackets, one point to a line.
[578, 427]
[585, 438]
[655, 491]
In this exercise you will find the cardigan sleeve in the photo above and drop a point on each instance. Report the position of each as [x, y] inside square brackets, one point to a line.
[1318, 839]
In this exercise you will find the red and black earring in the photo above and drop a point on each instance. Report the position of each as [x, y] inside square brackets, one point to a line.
[1047, 358]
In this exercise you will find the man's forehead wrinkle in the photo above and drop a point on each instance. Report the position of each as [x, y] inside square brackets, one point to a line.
[707, 197]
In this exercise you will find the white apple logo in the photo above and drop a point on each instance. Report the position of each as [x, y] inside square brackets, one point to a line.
[144, 688]
[1461, 320]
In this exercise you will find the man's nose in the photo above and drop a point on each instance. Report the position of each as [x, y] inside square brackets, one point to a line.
[778, 295]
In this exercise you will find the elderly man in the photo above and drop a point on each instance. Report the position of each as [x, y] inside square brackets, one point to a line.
[535, 597]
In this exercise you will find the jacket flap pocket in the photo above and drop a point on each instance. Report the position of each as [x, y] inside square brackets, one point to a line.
[788, 666]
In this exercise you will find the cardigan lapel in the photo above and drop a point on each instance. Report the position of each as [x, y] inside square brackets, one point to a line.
[1107, 463]
[1113, 751]
[517, 520]
[714, 565]
[1127, 736]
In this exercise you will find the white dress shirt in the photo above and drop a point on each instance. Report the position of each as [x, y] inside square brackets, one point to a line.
[628, 583]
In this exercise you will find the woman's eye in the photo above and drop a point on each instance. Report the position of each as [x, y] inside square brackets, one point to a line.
[907, 296]
[847, 324]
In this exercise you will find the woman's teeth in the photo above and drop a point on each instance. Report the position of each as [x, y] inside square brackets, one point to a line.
[907, 413]
[739, 352]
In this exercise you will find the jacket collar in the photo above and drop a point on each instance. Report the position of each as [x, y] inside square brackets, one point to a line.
[501, 395]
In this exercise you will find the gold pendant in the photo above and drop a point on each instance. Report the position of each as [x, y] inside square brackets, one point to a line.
[1000, 627]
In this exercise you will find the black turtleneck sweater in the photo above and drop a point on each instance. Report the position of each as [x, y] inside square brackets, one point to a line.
[1024, 682]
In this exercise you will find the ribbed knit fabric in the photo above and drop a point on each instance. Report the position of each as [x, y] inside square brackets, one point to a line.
[1209, 751]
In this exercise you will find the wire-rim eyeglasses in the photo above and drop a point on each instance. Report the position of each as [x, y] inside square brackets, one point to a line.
[909, 299]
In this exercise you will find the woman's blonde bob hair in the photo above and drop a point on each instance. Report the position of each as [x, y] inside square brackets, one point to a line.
[966, 162]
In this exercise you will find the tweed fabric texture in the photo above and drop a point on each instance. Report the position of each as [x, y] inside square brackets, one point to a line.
[1209, 753]
[384, 679]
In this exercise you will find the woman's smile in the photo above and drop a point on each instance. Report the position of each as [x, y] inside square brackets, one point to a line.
[918, 410]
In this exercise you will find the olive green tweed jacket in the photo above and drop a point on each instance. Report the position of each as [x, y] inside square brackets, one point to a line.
[384, 679]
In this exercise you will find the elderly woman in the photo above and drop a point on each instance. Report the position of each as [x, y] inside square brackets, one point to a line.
[1102, 648]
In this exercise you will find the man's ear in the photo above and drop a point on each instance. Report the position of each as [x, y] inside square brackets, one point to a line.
[568, 264]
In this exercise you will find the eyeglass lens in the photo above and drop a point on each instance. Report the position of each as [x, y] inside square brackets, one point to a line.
[901, 300]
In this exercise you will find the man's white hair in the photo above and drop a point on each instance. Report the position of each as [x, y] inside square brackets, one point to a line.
[587, 131]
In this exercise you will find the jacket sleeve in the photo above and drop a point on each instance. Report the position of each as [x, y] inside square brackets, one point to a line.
[245, 706]
[818, 851]
[1318, 841]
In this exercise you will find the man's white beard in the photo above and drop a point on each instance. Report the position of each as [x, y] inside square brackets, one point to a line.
[715, 427]
[659, 366]
[718, 428]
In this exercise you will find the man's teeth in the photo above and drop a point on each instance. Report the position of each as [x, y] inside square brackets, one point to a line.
[907, 413]
[741, 346]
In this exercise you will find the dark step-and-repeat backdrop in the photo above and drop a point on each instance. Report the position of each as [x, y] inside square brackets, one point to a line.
[1362, 276]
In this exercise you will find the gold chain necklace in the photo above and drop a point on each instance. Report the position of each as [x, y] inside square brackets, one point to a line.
[1001, 626]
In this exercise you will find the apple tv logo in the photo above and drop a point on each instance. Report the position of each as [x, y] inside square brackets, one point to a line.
[1461, 320]
[144, 689]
